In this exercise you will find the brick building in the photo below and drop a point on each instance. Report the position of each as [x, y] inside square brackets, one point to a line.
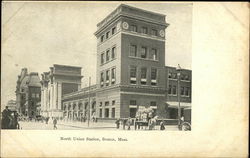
[28, 93]
[131, 72]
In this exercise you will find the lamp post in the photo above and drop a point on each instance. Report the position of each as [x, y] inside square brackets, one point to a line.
[178, 69]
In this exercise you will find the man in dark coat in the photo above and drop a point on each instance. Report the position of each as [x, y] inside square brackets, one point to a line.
[6, 118]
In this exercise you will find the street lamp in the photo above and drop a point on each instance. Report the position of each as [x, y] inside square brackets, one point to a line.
[178, 69]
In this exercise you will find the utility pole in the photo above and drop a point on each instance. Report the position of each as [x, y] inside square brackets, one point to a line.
[89, 101]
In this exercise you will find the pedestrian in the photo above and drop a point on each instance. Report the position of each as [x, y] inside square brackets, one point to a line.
[55, 122]
[129, 122]
[162, 127]
[117, 123]
[124, 123]
[6, 118]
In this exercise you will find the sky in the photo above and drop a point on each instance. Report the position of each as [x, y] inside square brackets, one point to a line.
[37, 35]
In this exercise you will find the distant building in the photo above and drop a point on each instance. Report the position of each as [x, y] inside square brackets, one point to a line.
[60, 80]
[28, 93]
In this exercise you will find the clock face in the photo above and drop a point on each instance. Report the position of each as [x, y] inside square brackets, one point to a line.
[162, 33]
[125, 25]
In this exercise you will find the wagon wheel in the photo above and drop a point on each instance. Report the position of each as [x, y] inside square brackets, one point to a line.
[186, 126]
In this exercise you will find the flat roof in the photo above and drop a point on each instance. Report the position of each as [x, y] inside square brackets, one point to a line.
[59, 65]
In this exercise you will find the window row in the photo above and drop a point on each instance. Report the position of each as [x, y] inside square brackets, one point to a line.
[35, 95]
[145, 53]
[108, 34]
[184, 91]
[143, 30]
[105, 77]
[143, 77]
[106, 56]
[133, 102]
[106, 103]
[107, 113]
[182, 77]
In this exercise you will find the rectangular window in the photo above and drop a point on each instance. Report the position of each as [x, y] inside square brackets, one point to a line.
[102, 58]
[182, 77]
[186, 91]
[102, 79]
[113, 52]
[102, 38]
[174, 75]
[133, 28]
[33, 95]
[153, 76]
[132, 102]
[113, 30]
[169, 89]
[113, 102]
[152, 103]
[187, 77]
[107, 55]
[182, 90]
[106, 113]
[100, 104]
[133, 51]
[144, 30]
[144, 76]
[100, 114]
[143, 52]
[174, 90]
[113, 75]
[154, 32]
[107, 77]
[113, 112]
[107, 35]
[169, 75]
[133, 74]
[154, 54]
[107, 103]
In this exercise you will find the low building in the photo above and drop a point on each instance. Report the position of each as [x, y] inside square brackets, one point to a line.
[177, 91]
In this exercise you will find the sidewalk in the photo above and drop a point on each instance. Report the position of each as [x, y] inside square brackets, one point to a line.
[102, 125]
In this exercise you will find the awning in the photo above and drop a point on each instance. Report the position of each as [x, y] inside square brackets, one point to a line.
[176, 104]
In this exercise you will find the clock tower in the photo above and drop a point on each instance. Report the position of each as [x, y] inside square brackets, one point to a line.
[130, 64]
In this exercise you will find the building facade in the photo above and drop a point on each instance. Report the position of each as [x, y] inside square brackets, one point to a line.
[183, 89]
[28, 93]
[130, 64]
[59, 81]
[131, 72]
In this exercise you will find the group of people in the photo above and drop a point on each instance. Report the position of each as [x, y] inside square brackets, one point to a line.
[149, 123]
[9, 119]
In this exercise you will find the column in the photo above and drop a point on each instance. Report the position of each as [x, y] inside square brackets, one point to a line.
[51, 94]
[110, 112]
[59, 89]
[42, 99]
[55, 96]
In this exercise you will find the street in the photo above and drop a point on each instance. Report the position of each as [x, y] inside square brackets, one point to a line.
[64, 125]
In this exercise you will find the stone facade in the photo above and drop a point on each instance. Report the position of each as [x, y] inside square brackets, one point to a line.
[28, 93]
[59, 81]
